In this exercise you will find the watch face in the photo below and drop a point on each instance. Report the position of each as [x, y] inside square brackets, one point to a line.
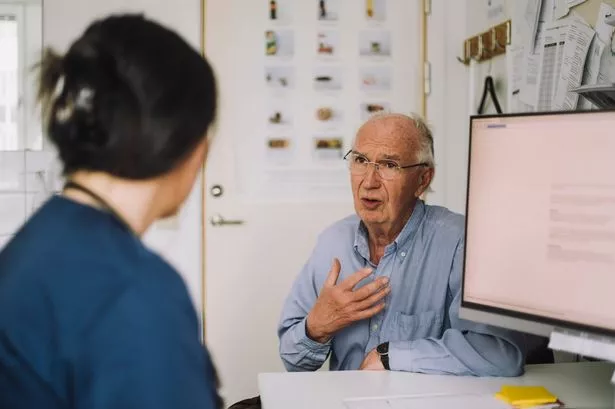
[382, 348]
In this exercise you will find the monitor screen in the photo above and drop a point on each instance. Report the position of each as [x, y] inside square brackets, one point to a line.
[540, 233]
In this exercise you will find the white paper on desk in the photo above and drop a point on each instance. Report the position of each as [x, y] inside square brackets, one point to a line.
[578, 40]
[428, 401]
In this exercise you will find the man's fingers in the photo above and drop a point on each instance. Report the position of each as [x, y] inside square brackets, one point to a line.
[354, 279]
[369, 289]
[334, 273]
[373, 299]
[370, 312]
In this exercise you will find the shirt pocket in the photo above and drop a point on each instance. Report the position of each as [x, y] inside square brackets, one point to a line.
[425, 324]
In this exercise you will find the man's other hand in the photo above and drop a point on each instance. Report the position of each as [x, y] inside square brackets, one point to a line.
[339, 305]
[372, 362]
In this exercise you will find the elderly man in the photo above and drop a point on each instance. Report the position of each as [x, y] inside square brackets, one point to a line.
[382, 288]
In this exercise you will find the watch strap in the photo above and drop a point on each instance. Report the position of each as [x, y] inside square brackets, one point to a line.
[383, 351]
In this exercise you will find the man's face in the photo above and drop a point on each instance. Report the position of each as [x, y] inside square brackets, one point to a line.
[388, 202]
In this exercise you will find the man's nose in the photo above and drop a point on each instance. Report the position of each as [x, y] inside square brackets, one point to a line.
[372, 177]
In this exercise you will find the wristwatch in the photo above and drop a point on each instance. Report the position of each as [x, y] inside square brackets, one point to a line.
[383, 350]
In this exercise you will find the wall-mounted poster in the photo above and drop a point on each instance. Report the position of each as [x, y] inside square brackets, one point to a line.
[375, 78]
[327, 68]
[375, 10]
[280, 77]
[328, 10]
[375, 43]
[279, 43]
[279, 11]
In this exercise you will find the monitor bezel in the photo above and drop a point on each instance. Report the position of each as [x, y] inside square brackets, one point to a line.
[491, 310]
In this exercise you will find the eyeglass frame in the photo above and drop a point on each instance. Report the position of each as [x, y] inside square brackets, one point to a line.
[377, 165]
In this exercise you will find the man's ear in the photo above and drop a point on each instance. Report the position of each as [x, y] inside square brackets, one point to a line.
[425, 180]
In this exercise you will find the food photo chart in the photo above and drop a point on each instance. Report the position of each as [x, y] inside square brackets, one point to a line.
[325, 67]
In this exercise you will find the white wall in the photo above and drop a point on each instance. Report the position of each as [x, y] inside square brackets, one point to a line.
[64, 21]
[447, 108]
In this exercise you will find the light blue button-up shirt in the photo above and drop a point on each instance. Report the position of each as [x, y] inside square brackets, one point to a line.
[421, 319]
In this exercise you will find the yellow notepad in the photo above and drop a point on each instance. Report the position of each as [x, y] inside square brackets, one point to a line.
[526, 396]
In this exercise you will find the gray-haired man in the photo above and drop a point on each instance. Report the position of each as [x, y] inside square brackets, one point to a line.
[382, 288]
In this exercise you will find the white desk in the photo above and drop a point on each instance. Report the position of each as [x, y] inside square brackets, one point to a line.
[578, 385]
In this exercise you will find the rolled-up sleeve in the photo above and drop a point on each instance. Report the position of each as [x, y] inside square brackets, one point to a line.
[297, 350]
[466, 348]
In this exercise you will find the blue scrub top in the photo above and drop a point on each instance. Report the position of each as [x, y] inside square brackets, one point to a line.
[90, 318]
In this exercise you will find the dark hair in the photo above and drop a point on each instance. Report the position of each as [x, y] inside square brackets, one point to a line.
[130, 98]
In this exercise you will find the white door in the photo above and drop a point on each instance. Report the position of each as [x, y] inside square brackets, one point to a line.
[249, 267]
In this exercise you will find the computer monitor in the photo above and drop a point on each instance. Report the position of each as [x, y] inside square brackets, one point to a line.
[540, 222]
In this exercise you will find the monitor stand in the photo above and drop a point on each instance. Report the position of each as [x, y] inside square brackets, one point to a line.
[585, 344]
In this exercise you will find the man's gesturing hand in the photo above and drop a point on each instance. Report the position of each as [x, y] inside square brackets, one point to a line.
[339, 305]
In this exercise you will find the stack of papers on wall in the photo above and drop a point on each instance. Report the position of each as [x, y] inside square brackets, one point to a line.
[528, 397]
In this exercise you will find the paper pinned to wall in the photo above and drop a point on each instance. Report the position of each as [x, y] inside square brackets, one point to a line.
[604, 30]
[547, 11]
[598, 65]
[550, 64]
[528, 91]
[592, 68]
[577, 43]
[562, 7]
[525, 26]
[515, 59]
[514, 63]
[594, 58]
[564, 53]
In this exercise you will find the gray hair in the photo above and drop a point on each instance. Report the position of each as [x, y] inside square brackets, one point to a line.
[425, 152]
[425, 137]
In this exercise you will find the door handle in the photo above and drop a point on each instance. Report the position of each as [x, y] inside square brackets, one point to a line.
[218, 220]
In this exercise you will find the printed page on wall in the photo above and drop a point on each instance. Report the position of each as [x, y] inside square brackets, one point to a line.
[553, 64]
[327, 66]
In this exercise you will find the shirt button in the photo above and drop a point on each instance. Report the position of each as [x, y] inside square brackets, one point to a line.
[375, 327]
[403, 254]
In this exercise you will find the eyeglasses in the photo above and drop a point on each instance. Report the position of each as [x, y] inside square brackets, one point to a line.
[387, 169]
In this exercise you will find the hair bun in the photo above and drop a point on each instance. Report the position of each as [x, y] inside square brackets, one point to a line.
[115, 105]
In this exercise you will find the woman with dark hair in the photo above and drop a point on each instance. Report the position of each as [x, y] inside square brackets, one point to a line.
[89, 317]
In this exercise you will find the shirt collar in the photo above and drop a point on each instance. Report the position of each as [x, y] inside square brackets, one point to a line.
[407, 233]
